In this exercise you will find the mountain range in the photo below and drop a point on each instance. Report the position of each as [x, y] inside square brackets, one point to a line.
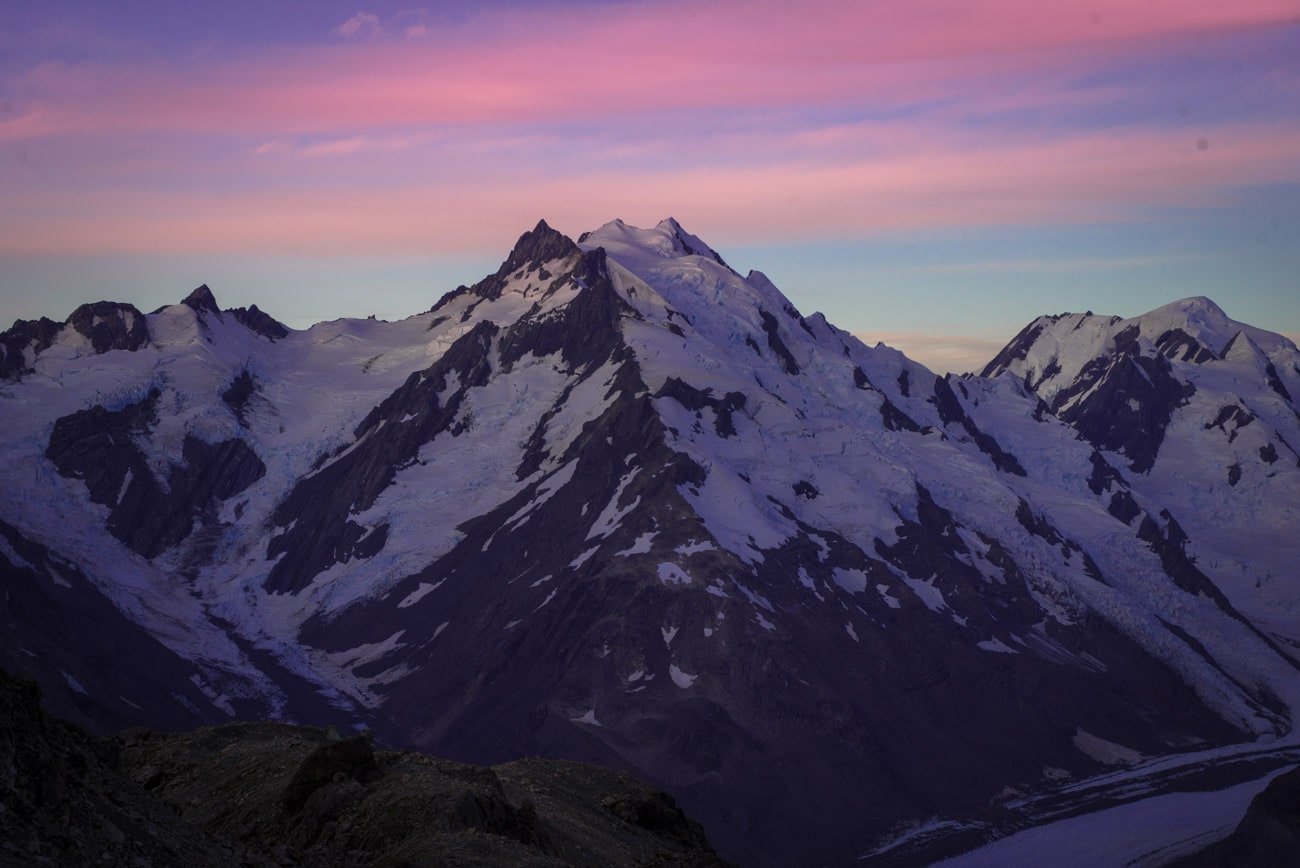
[619, 503]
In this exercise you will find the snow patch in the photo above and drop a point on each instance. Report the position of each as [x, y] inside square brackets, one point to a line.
[671, 574]
[422, 591]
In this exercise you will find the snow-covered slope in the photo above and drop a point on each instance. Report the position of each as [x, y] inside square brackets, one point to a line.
[617, 502]
[1201, 413]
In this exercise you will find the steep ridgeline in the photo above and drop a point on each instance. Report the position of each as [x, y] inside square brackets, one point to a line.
[1202, 414]
[618, 503]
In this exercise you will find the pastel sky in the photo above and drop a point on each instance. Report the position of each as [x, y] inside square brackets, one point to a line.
[933, 173]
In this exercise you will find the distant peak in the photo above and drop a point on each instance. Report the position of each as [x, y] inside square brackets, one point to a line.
[201, 299]
[540, 244]
[1197, 308]
[665, 240]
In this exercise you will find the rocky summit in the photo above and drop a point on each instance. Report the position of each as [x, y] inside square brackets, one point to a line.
[619, 503]
[278, 795]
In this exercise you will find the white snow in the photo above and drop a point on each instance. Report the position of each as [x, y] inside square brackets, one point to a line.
[640, 547]
[1149, 832]
[927, 592]
[680, 678]
[853, 581]
[421, 591]
[671, 574]
[695, 548]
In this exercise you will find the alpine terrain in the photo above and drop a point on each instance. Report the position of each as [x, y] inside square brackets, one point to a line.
[619, 503]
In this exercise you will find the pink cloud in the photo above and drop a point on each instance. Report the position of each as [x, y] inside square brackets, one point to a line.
[955, 183]
[563, 62]
[360, 24]
[449, 141]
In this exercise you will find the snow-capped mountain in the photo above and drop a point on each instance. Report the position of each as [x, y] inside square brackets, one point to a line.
[617, 502]
[1200, 413]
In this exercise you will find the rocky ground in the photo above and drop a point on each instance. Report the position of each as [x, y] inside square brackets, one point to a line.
[1267, 837]
[273, 794]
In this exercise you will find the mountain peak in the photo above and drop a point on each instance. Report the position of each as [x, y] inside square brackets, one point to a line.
[539, 244]
[202, 299]
[1196, 309]
[665, 240]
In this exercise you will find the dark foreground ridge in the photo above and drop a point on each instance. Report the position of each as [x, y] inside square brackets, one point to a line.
[272, 794]
[1268, 836]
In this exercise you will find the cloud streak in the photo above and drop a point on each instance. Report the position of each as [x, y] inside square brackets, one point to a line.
[1076, 179]
[567, 62]
[943, 354]
[758, 121]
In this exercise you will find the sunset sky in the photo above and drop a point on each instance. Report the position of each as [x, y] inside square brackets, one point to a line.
[933, 173]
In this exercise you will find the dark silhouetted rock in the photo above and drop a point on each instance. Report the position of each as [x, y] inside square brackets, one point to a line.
[311, 799]
[111, 325]
[62, 802]
[352, 758]
[259, 321]
[98, 446]
[26, 337]
[1267, 837]
[202, 300]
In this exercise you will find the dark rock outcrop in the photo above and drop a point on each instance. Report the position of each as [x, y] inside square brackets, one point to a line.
[96, 667]
[259, 321]
[539, 245]
[311, 798]
[201, 300]
[696, 400]
[25, 336]
[273, 794]
[111, 325]
[1127, 406]
[237, 396]
[777, 345]
[1267, 837]
[98, 446]
[951, 412]
[62, 802]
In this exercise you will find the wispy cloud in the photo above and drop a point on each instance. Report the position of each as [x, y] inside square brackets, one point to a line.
[361, 24]
[820, 119]
[1065, 265]
[345, 146]
[1110, 178]
[655, 56]
[411, 23]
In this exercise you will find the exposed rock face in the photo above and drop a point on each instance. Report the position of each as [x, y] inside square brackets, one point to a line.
[1267, 837]
[98, 446]
[201, 300]
[269, 794]
[1126, 406]
[260, 321]
[107, 325]
[314, 799]
[1184, 393]
[20, 345]
[111, 325]
[97, 666]
[62, 802]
